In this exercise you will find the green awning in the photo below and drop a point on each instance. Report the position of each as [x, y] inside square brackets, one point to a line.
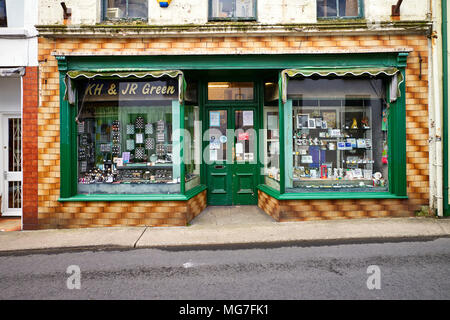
[111, 74]
[394, 73]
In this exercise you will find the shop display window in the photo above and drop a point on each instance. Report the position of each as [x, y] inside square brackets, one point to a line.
[271, 142]
[128, 137]
[192, 145]
[337, 135]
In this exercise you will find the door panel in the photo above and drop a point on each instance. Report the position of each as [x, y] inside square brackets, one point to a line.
[219, 176]
[232, 167]
[12, 166]
[245, 168]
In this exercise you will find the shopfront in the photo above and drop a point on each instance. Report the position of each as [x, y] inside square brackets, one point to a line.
[145, 142]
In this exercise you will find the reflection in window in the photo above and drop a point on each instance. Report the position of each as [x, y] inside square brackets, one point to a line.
[232, 9]
[126, 9]
[192, 145]
[230, 90]
[337, 8]
[339, 139]
[127, 139]
[271, 140]
[3, 21]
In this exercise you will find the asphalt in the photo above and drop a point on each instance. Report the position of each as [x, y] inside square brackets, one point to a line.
[225, 227]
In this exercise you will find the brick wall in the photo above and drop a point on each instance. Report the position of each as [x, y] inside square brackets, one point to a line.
[53, 214]
[30, 148]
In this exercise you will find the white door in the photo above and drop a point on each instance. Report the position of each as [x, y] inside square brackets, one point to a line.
[11, 165]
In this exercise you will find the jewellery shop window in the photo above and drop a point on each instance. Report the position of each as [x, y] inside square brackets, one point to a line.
[339, 139]
[271, 136]
[126, 137]
[192, 137]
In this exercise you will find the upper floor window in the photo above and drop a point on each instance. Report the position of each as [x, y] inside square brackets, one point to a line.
[232, 9]
[125, 9]
[339, 8]
[3, 22]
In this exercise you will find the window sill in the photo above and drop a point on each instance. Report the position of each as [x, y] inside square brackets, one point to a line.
[328, 196]
[17, 32]
[135, 197]
[249, 20]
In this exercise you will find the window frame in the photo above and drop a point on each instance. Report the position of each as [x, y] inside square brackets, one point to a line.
[359, 16]
[396, 146]
[104, 7]
[253, 18]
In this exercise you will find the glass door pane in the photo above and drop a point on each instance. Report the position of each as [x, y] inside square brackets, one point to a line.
[12, 166]
[217, 135]
[245, 146]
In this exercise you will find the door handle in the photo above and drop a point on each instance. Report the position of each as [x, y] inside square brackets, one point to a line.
[5, 175]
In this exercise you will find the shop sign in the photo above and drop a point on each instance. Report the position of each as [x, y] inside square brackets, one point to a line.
[131, 90]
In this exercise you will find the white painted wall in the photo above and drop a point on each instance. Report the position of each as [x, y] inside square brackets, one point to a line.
[286, 11]
[18, 41]
[83, 11]
[196, 11]
[380, 10]
[178, 12]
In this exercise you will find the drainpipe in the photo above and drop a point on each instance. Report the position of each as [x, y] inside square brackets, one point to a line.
[438, 98]
[435, 95]
[445, 103]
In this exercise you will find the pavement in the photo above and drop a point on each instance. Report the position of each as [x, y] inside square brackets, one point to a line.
[220, 227]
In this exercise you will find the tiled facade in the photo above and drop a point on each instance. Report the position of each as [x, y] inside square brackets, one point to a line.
[54, 214]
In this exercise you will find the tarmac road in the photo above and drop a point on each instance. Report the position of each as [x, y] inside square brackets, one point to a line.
[407, 270]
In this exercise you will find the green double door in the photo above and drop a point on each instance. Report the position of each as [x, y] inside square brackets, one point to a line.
[232, 156]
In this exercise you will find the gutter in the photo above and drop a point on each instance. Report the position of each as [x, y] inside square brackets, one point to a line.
[445, 106]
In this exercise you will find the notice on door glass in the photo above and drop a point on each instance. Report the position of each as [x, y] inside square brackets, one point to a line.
[239, 148]
[247, 118]
[243, 136]
[213, 155]
[214, 119]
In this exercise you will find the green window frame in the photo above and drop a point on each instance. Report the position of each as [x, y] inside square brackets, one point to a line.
[359, 16]
[211, 17]
[68, 155]
[68, 141]
[396, 144]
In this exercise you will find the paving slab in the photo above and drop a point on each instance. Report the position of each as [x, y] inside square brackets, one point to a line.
[445, 224]
[70, 238]
[292, 232]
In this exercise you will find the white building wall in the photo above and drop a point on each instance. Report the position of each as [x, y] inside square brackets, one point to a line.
[380, 10]
[286, 11]
[88, 12]
[83, 11]
[18, 41]
[178, 12]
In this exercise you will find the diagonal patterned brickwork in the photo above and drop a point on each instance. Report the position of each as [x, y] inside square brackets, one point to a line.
[53, 214]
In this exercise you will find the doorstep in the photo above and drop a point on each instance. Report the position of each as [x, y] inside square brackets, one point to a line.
[10, 224]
